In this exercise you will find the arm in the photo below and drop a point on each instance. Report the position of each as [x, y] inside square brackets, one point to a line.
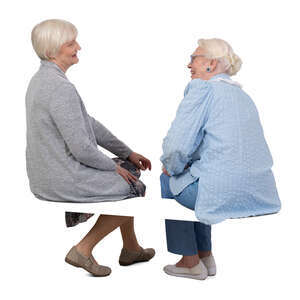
[108, 141]
[66, 112]
[185, 134]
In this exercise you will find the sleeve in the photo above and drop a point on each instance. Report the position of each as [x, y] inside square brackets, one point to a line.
[186, 133]
[66, 111]
[108, 141]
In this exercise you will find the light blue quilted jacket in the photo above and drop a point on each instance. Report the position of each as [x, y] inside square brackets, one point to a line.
[217, 133]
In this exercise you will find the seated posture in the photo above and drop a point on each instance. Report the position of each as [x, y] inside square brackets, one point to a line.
[63, 161]
[215, 158]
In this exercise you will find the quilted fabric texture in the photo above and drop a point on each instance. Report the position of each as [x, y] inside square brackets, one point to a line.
[217, 137]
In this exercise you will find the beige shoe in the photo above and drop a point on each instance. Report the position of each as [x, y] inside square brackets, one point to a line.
[210, 265]
[77, 259]
[131, 257]
[198, 272]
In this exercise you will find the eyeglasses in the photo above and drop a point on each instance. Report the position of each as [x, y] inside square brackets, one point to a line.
[194, 56]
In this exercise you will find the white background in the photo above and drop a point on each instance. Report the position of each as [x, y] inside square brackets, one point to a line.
[131, 76]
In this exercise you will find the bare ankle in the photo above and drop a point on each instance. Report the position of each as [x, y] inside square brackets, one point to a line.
[83, 250]
[135, 248]
[188, 261]
[202, 254]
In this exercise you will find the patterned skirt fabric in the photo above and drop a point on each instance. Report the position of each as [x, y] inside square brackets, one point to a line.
[137, 189]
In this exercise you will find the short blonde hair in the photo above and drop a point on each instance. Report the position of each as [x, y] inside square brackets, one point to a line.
[222, 51]
[48, 36]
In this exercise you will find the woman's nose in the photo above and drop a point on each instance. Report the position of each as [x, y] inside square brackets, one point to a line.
[189, 65]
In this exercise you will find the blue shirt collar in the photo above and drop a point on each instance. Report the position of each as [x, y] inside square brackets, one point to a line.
[221, 75]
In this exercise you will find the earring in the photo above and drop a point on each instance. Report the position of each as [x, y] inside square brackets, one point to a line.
[208, 69]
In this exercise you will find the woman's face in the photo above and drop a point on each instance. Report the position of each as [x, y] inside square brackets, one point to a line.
[67, 55]
[199, 64]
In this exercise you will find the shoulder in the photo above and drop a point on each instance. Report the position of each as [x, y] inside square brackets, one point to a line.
[197, 90]
[64, 97]
[198, 83]
[199, 86]
[64, 88]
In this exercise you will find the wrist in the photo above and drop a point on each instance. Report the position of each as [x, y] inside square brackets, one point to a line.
[130, 155]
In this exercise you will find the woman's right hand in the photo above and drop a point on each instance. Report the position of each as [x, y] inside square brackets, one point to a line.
[125, 174]
[165, 171]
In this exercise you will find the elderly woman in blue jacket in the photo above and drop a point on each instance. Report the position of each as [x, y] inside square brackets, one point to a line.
[215, 158]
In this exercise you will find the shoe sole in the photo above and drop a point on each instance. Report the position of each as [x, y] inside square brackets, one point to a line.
[79, 266]
[197, 277]
[131, 263]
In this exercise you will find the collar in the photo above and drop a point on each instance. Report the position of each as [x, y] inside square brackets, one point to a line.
[220, 75]
[225, 78]
[54, 66]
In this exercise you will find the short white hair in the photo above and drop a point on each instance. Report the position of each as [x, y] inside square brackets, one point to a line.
[222, 51]
[48, 36]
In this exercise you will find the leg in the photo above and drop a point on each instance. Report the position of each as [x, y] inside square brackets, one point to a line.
[128, 235]
[198, 232]
[203, 238]
[103, 226]
[132, 252]
[180, 234]
[188, 196]
[181, 240]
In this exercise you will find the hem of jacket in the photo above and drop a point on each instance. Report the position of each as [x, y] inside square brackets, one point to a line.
[89, 199]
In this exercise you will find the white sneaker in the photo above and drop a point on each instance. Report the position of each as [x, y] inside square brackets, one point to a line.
[210, 265]
[198, 272]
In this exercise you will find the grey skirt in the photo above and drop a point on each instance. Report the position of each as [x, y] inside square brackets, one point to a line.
[137, 189]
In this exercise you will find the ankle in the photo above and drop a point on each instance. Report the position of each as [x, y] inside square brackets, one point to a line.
[188, 261]
[202, 254]
[84, 250]
[134, 248]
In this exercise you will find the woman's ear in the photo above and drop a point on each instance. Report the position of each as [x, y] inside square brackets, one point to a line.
[50, 57]
[213, 65]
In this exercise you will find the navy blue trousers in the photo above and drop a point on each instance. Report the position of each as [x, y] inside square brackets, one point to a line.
[185, 237]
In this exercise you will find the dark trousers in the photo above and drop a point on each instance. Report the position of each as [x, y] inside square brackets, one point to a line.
[185, 237]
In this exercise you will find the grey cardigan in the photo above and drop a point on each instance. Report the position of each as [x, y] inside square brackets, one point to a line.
[63, 161]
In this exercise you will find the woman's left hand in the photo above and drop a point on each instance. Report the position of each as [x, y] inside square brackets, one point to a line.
[140, 161]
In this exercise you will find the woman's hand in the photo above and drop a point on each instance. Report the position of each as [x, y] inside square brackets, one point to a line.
[165, 171]
[125, 174]
[140, 161]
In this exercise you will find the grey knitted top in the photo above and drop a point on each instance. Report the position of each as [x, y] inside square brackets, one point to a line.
[62, 158]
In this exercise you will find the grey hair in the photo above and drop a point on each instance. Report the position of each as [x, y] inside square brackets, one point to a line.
[48, 36]
[219, 49]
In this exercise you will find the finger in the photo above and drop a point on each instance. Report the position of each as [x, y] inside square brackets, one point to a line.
[139, 165]
[132, 177]
[149, 165]
[126, 179]
[142, 165]
[146, 163]
[124, 174]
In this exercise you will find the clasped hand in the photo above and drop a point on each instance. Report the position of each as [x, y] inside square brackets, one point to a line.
[139, 161]
[166, 172]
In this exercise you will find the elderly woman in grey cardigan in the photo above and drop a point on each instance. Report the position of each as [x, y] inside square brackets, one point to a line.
[62, 158]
